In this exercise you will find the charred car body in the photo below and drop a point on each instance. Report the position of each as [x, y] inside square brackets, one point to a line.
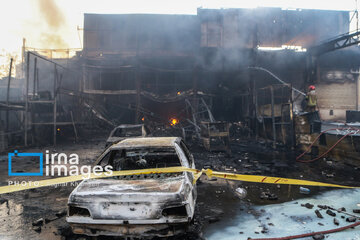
[124, 131]
[137, 205]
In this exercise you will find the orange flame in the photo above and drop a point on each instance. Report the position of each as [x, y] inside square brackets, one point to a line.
[142, 119]
[173, 121]
[178, 93]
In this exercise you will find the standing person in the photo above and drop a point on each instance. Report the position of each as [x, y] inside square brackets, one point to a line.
[311, 99]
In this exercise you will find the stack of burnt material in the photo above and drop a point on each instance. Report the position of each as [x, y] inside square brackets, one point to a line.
[340, 140]
[215, 136]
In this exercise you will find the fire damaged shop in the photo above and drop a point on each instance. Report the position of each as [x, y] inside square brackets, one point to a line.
[222, 124]
[236, 65]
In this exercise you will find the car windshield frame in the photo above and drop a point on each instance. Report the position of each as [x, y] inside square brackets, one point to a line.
[141, 154]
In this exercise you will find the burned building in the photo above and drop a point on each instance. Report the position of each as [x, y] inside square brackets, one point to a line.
[234, 65]
[137, 58]
[250, 97]
[130, 61]
[140, 67]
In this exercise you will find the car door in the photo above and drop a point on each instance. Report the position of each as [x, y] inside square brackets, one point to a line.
[189, 157]
[187, 153]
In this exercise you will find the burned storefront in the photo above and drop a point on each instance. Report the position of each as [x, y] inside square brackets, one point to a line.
[236, 65]
[198, 126]
[133, 64]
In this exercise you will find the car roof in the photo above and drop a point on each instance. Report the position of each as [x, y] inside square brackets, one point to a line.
[146, 142]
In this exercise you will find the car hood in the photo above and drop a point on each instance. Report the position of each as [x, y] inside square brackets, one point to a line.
[138, 190]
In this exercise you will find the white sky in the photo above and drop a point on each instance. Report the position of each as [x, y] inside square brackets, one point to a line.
[22, 18]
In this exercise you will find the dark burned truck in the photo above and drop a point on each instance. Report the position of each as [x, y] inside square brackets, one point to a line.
[147, 205]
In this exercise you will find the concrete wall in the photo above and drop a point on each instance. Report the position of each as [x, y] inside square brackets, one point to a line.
[335, 98]
[337, 83]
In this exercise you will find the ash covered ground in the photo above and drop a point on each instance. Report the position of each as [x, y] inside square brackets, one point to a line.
[219, 209]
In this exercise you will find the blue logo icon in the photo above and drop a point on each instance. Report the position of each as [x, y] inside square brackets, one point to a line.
[40, 155]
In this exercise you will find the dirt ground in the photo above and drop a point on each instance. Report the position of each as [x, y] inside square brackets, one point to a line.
[216, 198]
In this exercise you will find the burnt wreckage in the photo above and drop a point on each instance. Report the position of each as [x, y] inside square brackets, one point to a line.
[153, 204]
[189, 71]
[228, 65]
[198, 77]
[124, 131]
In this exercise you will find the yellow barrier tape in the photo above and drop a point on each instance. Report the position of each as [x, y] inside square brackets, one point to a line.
[270, 180]
[197, 173]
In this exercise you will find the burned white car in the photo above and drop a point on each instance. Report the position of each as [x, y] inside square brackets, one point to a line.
[159, 204]
[124, 131]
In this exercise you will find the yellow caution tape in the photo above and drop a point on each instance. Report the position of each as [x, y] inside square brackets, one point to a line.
[270, 180]
[197, 173]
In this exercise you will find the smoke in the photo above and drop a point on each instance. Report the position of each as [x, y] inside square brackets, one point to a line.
[55, 20]
[51, 13]
[52, 41]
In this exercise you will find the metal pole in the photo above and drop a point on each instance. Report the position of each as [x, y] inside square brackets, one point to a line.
[273, 116]
[35, 64]
[81, 91]
[33, 97]
[358, 92]
[75, 131]
[138, 98]
[54, 102]
[23, 58]
[255, 111]
[292, 124]
[7, 98]
[26, 98]
[195, 102]
[357, 16]
[37, 80]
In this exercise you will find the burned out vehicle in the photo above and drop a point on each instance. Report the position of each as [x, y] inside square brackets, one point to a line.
[216, 136]
[146, 205]
[124, 131]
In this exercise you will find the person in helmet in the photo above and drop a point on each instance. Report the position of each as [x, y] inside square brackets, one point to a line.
[311, 99]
